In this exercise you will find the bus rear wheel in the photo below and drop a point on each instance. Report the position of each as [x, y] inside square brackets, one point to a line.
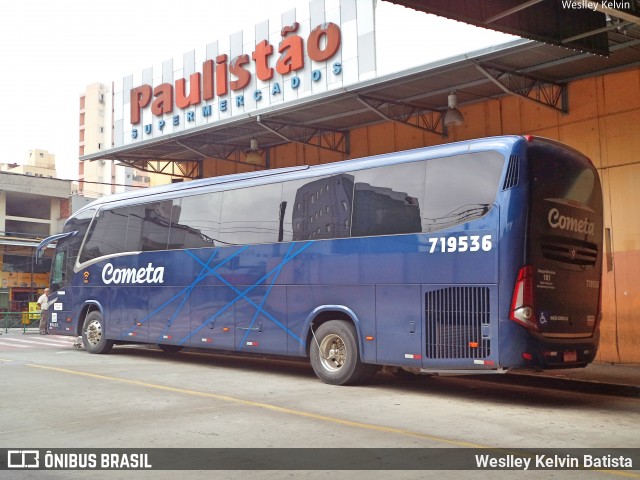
[93, 334]
[334, 354]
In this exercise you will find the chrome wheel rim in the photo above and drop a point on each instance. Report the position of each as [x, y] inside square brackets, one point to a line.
[93, 333]
[333, 353]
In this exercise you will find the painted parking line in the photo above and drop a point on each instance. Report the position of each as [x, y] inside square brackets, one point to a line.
[264, 406]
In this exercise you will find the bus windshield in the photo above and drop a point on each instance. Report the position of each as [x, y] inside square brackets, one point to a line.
[67, 249]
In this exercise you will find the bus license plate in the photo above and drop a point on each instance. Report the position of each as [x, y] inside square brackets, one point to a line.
[570, 356]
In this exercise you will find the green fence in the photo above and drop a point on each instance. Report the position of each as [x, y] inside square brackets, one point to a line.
[22, 320]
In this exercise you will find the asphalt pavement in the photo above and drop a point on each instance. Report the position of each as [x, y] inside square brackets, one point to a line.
[623, 376]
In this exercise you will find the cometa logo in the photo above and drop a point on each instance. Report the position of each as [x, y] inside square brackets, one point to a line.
[148, 274]
[571, 224]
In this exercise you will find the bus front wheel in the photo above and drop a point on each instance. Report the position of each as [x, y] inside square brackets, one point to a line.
[334, 354]
[93, 334]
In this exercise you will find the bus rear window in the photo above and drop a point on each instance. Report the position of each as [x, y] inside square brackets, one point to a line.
[557, 174]
[460, 188]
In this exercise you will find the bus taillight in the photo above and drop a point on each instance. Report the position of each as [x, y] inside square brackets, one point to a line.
[522, 310]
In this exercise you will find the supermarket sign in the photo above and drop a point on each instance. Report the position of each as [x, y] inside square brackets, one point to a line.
[313, 51]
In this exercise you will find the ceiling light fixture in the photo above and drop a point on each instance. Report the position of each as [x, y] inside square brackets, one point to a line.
[253, 155]
[453, 117]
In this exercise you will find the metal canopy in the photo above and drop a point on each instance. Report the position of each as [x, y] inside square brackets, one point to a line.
[418, 97]
[581, 25]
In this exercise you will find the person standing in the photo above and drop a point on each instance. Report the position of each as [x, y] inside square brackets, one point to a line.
[43, 303]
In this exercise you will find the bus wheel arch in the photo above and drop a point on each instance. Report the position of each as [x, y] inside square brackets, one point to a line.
[323, 316]
[334, 349]
[86, 310]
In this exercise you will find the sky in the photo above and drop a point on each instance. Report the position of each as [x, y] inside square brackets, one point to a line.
[50, 50]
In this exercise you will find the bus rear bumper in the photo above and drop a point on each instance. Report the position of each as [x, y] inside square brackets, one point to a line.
[565, 355]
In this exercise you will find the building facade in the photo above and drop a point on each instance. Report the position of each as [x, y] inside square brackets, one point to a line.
[95, 178]
[31, 208]
[103, 177]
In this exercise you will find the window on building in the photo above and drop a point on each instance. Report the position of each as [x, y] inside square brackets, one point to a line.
[20, 228]
[28, 206]
[317, 215]
[388, 200]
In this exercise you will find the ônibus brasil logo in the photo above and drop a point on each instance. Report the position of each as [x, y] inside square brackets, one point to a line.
[117, 276]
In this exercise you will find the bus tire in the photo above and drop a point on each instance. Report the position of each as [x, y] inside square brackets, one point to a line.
[170, 348]
[335, 357]
[94, 338]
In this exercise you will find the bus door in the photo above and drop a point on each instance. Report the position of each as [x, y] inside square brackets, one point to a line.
[565, 244]
[61, 301]
[61, 297]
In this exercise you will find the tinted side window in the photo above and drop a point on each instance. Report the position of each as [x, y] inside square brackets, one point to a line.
[318, 208]
[106, 235]
[388, 200]
[195, 221]
[251, 215]
[149, 226]
[460, 188]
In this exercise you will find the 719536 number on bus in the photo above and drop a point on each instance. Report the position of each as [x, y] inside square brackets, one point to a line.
[460, 244]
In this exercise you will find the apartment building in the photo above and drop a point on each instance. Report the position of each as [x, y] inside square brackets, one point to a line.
[103, 177]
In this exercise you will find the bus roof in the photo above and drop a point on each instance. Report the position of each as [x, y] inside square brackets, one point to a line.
[503, 144]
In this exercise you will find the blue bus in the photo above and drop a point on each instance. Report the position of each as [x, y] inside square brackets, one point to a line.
[471, 257]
